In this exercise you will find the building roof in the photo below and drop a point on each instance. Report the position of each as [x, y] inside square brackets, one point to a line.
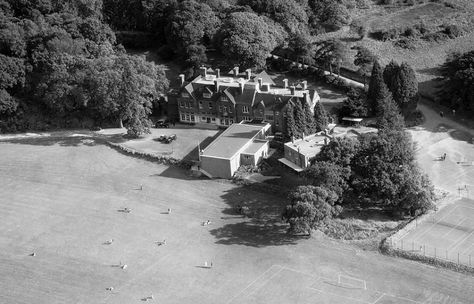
[254, 146]
[242, 90]
[232, 140]
[310, 145]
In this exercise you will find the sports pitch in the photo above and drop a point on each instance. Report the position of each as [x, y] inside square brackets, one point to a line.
[447, 235]
[64, 201]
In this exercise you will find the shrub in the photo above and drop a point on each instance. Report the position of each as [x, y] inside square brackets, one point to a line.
[435, 37]
[452, 31]
[405, 43]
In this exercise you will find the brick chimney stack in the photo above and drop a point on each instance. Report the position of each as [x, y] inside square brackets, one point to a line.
[292, 90]
[216, 85]
[236, 71]
[285, 83]
[304, 84]
[248, 73]
[218, 73]
[181, 79]
[260, 83]
[203, 71]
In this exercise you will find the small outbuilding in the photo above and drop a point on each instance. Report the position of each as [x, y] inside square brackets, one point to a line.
[240, 144]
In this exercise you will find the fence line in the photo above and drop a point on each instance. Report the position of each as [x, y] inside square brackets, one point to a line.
[422, 249]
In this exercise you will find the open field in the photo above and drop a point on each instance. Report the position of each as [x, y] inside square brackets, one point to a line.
[62, 202]
[448, 235]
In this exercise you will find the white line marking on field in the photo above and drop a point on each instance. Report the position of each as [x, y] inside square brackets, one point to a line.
[338, 295]
[460, 241]
[436, 223]
[458, 224]
[253, 282]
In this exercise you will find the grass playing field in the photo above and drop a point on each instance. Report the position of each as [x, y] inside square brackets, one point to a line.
[63, 202]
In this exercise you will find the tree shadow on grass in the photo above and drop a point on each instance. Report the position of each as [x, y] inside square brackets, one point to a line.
[253, 234]
[261, 226]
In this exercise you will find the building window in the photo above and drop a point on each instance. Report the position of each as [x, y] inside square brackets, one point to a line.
[210, 105]
[184, 94]
[187, 117]
[224, 108]
[187, 105]
[231, 121]
[230, 109]
[200, 104]
[269, 117]
[245, 118]
[220, 108]
[224, 98]
[277, 123]
[213, 119]
[277, 113]
[206, 95]
[181, 103]
[203, 118]
[183, 117]
[192, 117]
[245, 109]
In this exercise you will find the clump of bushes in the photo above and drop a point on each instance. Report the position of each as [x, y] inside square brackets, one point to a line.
[445, 32]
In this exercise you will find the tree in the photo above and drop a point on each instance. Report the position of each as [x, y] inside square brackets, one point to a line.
[290, 123]
[388, 113]
[339, 151]
[321, 119]
[330, 52]
[301, 47]
[381, 167]
[401, 81]
[458, 85]
[289, 13]
[300, 119]
[125, 88]
[310, 126]
[248, 38]
[376, 84]
[310, 207]
[329, 175]
[364, 59]
[355, 105]
[332, 13]
[192, 23]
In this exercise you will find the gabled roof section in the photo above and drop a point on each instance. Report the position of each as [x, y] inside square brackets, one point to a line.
[229, 93]
[265, 78]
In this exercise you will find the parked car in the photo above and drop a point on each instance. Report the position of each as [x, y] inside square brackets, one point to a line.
[162, 124]
[162, 138]
[170, 138]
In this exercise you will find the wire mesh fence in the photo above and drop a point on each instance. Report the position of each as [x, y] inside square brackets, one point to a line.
[444, 254]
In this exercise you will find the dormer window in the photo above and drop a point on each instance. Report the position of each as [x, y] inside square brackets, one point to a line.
[224, 98]
[184, 94]
[245, 109]
[206, 95]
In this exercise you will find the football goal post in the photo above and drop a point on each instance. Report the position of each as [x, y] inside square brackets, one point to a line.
[351, 282]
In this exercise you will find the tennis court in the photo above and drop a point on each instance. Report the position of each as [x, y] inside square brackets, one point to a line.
[447, 234]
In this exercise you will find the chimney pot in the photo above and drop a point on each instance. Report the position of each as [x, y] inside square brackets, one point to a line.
[304, 84]
[248, 73]
[236, 71]
[203, 71]
[285, 83]
[181, 79]
[216, 84]
[292, 90]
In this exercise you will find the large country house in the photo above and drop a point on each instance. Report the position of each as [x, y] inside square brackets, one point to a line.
[212, 98]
